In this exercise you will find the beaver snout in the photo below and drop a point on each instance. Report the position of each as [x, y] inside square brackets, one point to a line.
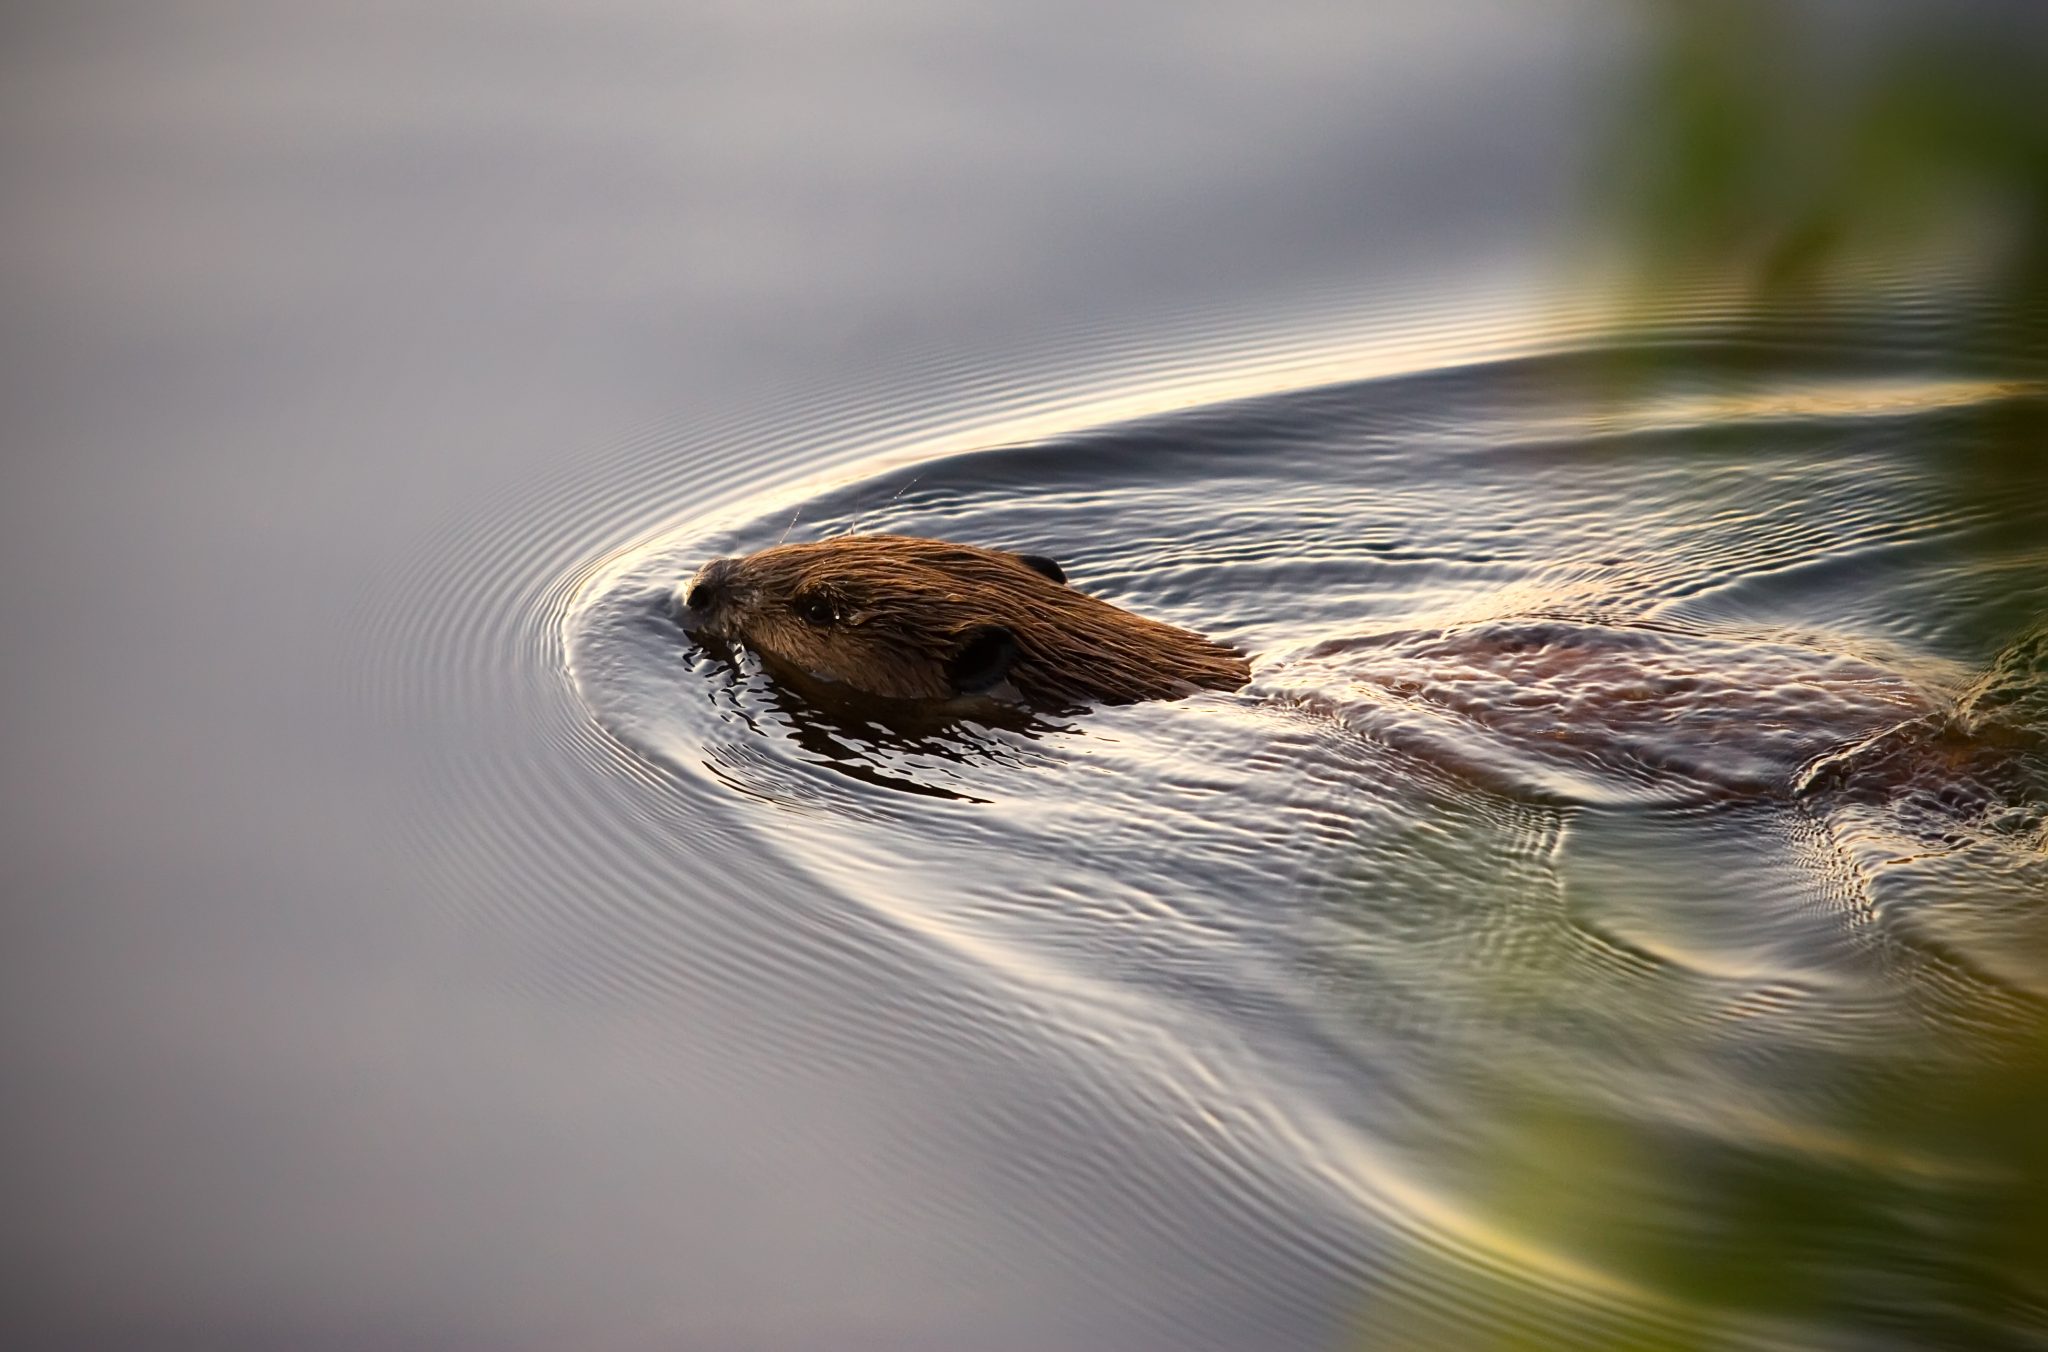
[702, 603]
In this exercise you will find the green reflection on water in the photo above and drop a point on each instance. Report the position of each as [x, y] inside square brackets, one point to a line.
[1777, 155]
[1793, 167]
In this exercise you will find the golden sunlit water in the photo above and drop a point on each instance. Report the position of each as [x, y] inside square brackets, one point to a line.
[1613, 916]
[1606, 816]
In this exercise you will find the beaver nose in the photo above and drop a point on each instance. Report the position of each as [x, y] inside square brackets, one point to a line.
[707, 590]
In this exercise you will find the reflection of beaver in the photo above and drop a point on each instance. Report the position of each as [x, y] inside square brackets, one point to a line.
[905, 618]
[1673, 712]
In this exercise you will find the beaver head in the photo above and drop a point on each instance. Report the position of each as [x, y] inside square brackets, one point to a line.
[906, 618]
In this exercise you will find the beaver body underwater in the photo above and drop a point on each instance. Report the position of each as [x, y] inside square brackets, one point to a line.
[1569, 703]
[1589, 711]
[912, 619]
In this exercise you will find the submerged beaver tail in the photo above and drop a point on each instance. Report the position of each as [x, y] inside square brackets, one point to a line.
[912, 618]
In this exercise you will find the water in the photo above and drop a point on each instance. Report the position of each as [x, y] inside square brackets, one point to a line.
[1519, 818]
[414, 940]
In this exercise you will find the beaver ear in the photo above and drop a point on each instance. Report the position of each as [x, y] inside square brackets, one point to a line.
[1043, 566]
[983, 660]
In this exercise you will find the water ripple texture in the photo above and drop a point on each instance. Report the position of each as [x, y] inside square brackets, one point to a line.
[1639, 792]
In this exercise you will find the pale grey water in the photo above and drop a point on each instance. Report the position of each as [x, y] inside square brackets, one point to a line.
[369, 985]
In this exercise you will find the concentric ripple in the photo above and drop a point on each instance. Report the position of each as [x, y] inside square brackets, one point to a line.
[1613, 826]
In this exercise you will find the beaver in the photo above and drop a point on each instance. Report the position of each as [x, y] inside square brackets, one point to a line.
[905, 618]
[1595, 708]
[910, 619]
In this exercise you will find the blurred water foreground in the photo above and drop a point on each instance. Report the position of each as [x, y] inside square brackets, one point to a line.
[1795, 159]
[360, 995]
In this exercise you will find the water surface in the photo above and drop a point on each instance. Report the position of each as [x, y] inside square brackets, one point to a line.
[412, 941]
[1640, 786]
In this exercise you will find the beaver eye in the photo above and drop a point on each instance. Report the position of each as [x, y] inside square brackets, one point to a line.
[812, 608]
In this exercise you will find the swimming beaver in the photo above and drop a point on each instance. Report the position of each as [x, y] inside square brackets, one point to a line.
[906, 618]
[927, 620]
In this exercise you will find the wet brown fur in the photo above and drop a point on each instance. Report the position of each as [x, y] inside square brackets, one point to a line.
[908, 618]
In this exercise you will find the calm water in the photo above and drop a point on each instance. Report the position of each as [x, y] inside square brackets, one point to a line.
[414, 941]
